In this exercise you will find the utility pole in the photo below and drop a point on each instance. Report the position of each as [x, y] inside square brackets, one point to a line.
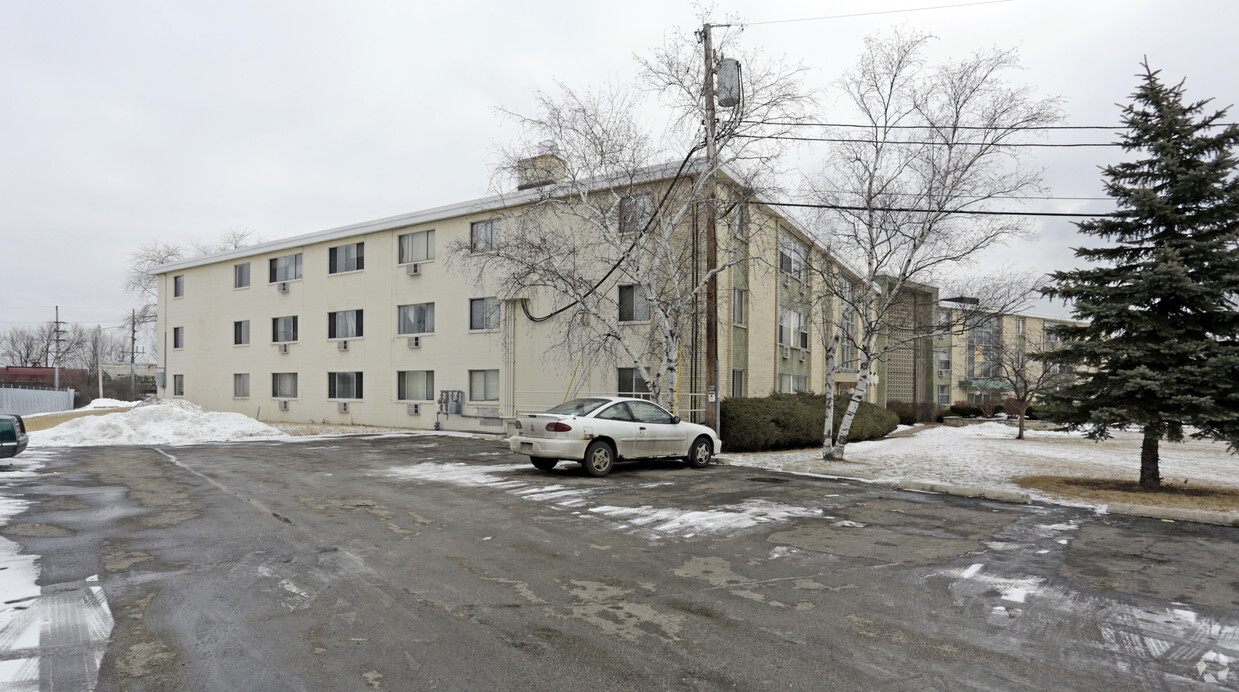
[711, 237]
[133, 350]
[56, 332]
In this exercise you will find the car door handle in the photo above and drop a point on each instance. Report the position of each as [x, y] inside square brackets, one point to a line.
[642, 427]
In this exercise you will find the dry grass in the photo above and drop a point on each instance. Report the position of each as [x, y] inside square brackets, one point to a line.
[1110, 490]
[52, 420]
[332, 429]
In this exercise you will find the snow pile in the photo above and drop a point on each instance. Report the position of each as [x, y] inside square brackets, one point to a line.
[988, 455]
[108, 403]
[156, 422]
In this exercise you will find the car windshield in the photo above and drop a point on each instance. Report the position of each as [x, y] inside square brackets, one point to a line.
[578, 407]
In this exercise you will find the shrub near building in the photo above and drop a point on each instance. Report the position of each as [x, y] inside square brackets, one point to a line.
[794, 421]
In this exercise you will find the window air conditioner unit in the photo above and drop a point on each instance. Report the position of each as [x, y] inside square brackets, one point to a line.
[342, 407]
[415, 409]
[283, 404]
[283, 348]
[944, 373]
[802, 356]
[415, 342]
[787, 351]
[414, 269]
[342, 345]
[282, 287]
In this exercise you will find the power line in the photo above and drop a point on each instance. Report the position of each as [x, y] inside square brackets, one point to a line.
[869, 141]
[1020, 197]
[871, 14]
[955, 127]
[973, 212]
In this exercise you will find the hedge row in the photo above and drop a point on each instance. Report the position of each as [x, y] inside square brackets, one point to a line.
[795, 421]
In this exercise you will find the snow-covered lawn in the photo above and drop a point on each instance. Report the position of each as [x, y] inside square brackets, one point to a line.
[988, 455]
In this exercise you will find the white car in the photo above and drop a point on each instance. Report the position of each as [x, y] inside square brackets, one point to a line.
[598, 431]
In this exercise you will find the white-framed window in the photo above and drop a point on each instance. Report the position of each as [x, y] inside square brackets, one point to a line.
[178, 285]
[630, 383]
[284, 385]
[737, 384]
[483, 313]
[944, 359]
[346, 258]
[286, 268]
[635, 212]
[345, 324]
[178, 337]
[417, 247]
[484, 385]
[284, 329]
[793, 328]
[240, 333]
[1019, 326]
[415, 385]
[484, 235]
[792, 255]
[791, 384]
[344, 385]
[241, 275]
[944, 394]
[241, 385]
[415, 319]
[739, 298]
[633, 305]
[178, 385]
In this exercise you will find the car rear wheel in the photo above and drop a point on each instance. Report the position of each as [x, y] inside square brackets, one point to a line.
[543, 464]
[699, 454]
[599, 458]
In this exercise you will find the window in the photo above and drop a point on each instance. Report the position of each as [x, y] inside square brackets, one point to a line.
[1019, 326]
[484, 236]
[345, 324]
[738, 298]
[240, 333]
[241, 385]
[737, 384]
[178, 285]
[284, 385]
[346, 258]
[944, 359]
[284, 329]
[415, 385]
[484, 385]
[417, 247]
[416, 319]
[178, 337]
[633, 306]
[792, 254]
[635, 213]
[343, 385]
[944, 394]
[983, 341]
[790, 384]
[631, 384]
[793, 328]
[286, 268]
[646, 412]
[178, 385]
[483, 313]
[241, 275]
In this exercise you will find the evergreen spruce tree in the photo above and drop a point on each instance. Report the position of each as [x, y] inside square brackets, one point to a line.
[1161, 347]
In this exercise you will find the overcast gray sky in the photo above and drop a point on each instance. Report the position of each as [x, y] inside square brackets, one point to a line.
[125, 122]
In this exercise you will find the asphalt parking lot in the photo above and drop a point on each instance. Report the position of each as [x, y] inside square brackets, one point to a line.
[434, 562]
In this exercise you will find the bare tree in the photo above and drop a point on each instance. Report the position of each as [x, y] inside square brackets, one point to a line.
[1023, 376]
[25, 346]
[140, 283]
[905, 195]
[606, 248]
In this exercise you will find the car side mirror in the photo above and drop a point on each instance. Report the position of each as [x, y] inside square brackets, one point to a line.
[675, 419]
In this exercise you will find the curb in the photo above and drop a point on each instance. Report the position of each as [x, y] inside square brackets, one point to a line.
[967, 491]
[1199, 516]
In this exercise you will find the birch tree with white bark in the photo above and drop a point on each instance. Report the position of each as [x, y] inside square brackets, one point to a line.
[607, 250]
[905, 196]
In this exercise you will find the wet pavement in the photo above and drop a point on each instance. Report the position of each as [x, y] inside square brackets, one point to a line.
[427, 562]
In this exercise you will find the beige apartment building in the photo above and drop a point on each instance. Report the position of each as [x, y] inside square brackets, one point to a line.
[388, 323]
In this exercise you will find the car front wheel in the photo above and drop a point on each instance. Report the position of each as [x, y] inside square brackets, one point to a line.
[699, 454]
[543, 464]
[599, 458]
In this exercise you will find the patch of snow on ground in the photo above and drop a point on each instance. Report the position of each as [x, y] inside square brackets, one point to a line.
[988, 455]
[156, 422]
